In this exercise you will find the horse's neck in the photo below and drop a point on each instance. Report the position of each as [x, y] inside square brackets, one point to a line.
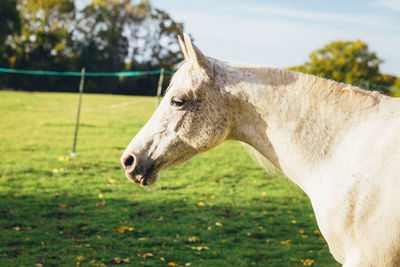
[296, 120]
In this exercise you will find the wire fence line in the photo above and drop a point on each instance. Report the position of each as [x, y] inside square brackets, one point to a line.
[87, 74]
[83, 74]
[367, 85]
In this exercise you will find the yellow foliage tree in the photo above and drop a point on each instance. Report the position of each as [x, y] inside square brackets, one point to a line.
[343, 61]
[396, 86]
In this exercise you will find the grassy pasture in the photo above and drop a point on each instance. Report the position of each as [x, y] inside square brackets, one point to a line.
[218, 209]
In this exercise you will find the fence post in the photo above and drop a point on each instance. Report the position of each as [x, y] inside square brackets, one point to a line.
[81, 84]
[160, 81]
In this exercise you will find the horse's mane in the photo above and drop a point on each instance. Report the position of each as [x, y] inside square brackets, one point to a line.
[344, 95]
[346, 98]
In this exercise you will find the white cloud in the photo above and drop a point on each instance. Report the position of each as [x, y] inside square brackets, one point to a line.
[276, 42]
[392, 4]
[285, 36]
[368, 20]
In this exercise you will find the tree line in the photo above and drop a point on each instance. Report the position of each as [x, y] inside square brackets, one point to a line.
[129, 35]
[102, 36]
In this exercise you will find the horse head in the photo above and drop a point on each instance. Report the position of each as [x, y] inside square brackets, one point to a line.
[191, 118]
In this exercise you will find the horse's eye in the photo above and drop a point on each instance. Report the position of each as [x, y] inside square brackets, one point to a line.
[177, 102]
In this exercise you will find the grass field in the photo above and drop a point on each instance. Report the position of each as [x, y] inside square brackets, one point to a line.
[218, 209]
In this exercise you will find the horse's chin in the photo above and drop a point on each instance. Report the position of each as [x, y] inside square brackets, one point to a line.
[150, 180]
[144, 180]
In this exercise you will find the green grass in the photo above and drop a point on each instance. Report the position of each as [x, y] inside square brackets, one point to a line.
[59, 211]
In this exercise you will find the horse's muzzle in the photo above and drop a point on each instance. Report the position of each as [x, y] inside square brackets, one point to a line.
[138, 172]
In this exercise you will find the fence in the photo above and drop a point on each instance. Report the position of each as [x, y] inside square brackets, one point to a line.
[387, 89]
[84, 74]
[366, 85]
[87, 74]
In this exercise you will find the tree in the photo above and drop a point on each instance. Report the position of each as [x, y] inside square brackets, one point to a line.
[103, 36]
[9, 20]
[396, 85]
[116, 35]
[102, 32]
[46, 30]
[343, 61]
[161, 50]
[385, 79]
[43, 42]
[9, 25]
[160, 33]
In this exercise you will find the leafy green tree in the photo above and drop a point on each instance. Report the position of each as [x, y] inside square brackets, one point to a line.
[160, 36]
[114, 35]
[9, 20]
[161, 50]
[43, 42]
[385, 79]
[102, 33]
[9, 25]
[396, 83]
[46, 30]
[343, 61]
[103, 36]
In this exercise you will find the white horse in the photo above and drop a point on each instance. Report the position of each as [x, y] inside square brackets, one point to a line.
[339, 143]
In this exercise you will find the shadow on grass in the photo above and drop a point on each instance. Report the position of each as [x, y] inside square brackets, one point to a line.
[89, 231]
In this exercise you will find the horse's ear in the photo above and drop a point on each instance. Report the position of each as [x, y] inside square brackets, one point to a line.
[183, 48]
[196, 55]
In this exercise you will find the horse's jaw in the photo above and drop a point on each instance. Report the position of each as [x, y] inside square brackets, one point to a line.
[143, 179]
[144, 159]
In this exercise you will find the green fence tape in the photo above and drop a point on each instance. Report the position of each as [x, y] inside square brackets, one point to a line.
[87, 74]
[149, 72]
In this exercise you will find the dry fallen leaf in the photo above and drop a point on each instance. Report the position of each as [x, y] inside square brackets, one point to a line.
[193, 239]
[118, 260]
[171, 263]
[146, 255]
[307, 262]
[80, 258]
[61, 205]
[201, 248]
[124, 228]
[101, 204]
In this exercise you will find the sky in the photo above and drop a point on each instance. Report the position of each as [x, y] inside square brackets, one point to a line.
[283, 33]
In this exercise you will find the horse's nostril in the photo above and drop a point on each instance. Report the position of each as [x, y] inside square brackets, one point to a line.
[128, 161]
